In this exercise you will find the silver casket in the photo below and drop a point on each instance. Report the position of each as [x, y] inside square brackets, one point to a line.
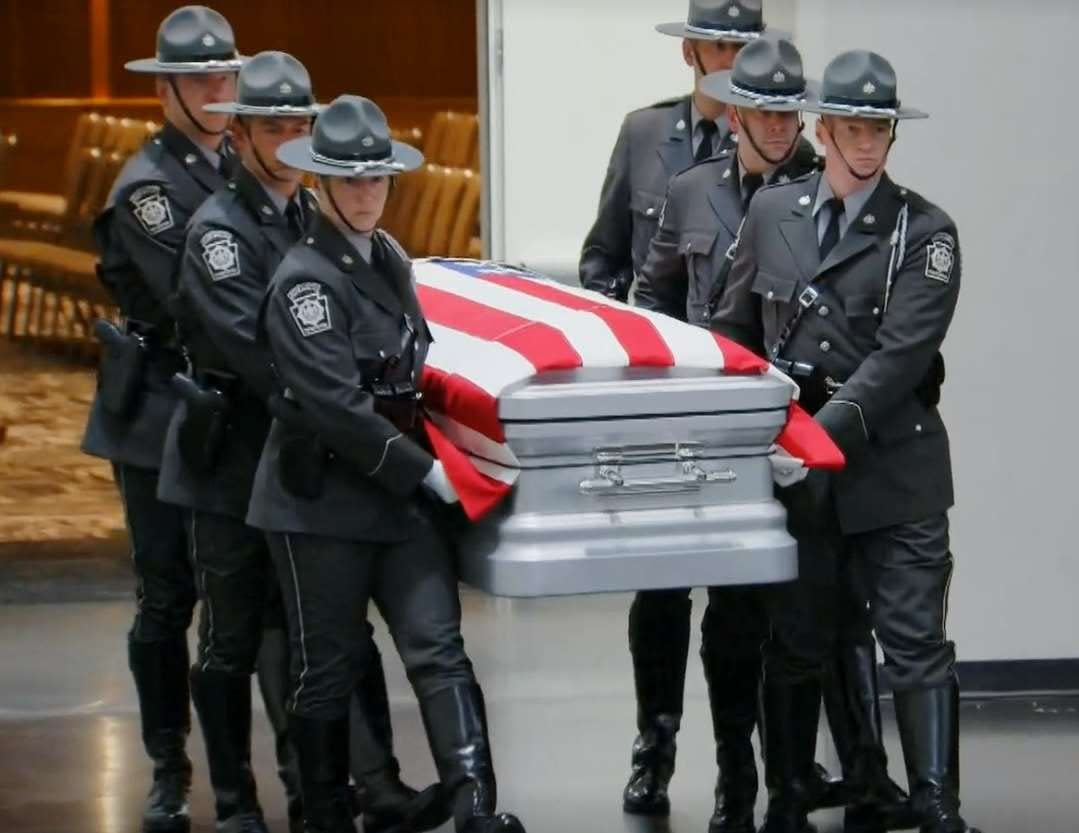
[636, 479]
[626, 477]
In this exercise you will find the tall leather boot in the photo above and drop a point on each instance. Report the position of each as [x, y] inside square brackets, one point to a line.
[322, 749]
[733, 694]
[160, 672]
[274, 683]
[223, 703]
[791, 714]
[456, 723]
[929, 729]
[875, 803]
[387, 802]
[659, 645]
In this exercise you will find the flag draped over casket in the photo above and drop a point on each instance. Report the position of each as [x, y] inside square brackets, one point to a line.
[496, 326]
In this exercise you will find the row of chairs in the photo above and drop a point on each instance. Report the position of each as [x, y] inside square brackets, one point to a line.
[453, 140]
[436, 211]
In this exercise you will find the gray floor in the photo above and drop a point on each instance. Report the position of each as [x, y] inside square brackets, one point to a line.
[557, 679]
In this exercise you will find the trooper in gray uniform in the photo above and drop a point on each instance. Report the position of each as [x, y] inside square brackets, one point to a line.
[346, 480]
[653, 145]
[849, 282]
[234, 243]
[138, 236]
[687, 267]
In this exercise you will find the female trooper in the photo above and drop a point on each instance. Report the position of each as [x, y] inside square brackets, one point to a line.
[234, 243]
[345, 479]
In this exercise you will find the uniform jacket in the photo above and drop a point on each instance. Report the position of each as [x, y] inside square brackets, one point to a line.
[898, 461]
[139, 235]
[699, 222]
[653, 145]
[234, 244]
[336, 324]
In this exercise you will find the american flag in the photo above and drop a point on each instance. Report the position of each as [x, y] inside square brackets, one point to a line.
[496, 326]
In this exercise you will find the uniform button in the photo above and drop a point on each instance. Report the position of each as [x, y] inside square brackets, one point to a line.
[770, 295]
[823, 312]
[310, 241]
[876, 310]
[918, 428]
[267, 210]
[825, 346]
[190, 159]
[346, 260]
[650, 211]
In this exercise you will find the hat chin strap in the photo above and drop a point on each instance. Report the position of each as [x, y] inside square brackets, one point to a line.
[258, 156]
[854, 173]
[183, 106]
[326, 182]
[786, 156]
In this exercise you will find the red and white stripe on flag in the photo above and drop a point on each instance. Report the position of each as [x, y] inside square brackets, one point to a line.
[496, 326]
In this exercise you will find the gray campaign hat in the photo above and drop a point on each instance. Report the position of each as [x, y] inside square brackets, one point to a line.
[861, 83]
[767, 75]
[741, 21]
[271, 84]
[192, 40]
[351, 138]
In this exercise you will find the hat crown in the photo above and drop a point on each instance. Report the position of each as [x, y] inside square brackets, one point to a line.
[353, 129]
[860, 78]
[770, 67]
[193, 34]
[274, 79]
[721, 15]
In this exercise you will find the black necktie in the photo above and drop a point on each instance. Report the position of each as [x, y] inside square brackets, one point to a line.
[750, 184]
[294, 217]
[708, 134]
[831, 233]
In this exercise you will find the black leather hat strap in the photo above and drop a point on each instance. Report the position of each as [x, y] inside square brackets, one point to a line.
[854, 173]
[183, 106]
[326, 182]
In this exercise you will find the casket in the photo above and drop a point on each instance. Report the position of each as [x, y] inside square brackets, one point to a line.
[624, 450]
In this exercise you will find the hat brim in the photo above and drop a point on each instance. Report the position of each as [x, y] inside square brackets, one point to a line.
[297, 154]
[152, 66]
[819, 108]
[679, 29]
[276, 111]
[717, 86]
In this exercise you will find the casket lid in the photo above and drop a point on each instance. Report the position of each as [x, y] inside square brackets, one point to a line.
[612, 393]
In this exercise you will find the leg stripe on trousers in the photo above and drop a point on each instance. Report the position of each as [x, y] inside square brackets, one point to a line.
[299, 618]
[209, 649]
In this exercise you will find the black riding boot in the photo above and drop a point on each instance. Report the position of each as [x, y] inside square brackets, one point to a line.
[322, 750]
[456, 723]
[791, 714]
[223, 703]
[929, 729]
[160, 670]
[659, 645]
[875, 803]
[273, 677]
[386, 801]
[733, 694]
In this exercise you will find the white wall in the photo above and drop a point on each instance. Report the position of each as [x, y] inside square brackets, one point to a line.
[999, 155]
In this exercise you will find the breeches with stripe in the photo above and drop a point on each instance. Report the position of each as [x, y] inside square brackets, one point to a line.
[327, 584]
[891, 581]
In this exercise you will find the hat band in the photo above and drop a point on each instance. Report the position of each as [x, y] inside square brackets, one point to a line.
[212, 63]
[277, 109]
[357, 166]
[771, 97]
[749, 34]
[851, 106]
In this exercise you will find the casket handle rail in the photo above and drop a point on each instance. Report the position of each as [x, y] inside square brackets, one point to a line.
[610, 480]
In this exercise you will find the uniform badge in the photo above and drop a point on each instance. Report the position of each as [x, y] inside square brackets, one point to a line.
[940, 258]
[151, 208]
[310, 309]
[221, 254]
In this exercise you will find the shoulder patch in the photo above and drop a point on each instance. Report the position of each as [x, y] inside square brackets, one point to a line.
[310, 308]
[221, 254]
[940, 258]
[151, 208]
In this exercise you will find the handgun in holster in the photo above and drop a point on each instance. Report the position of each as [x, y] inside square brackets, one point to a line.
[303, 456]
[815, 385]
[202, 432]
[398, 402]
[123, 365]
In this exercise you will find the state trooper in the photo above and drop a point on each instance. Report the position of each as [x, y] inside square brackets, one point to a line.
[850, 281]
[234, 243]
[138, 236]
[345, 482]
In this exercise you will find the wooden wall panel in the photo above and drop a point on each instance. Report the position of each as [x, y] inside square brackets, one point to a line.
[46, 50]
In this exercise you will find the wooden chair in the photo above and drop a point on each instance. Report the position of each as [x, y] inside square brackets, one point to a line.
[419, 225]
[462, 137]
[467, 221]
[446, 211]
[404, 201]
[436, 136]
[411, 135]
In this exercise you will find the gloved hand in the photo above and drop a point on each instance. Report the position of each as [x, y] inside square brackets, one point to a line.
[437, 481]
[787, 470]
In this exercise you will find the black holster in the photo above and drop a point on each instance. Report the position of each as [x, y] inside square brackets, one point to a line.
[202, 432]
[303, 456]
[399, 403]
[123, 367]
